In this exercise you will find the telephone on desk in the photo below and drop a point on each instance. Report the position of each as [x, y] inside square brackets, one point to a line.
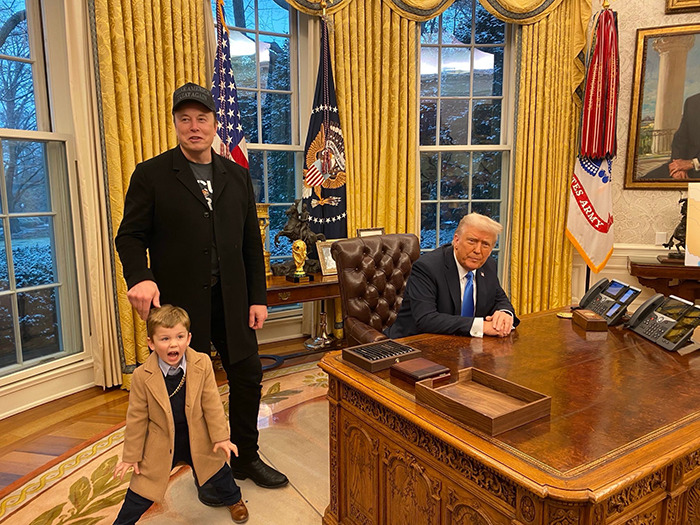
[667, 321]
[609, 299]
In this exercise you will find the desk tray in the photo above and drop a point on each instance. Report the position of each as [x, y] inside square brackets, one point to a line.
[484, 401]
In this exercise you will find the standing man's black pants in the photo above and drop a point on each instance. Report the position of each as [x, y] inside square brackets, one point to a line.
[245, 386]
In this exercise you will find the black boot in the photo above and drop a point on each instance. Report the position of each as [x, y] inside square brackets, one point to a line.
[262, 474]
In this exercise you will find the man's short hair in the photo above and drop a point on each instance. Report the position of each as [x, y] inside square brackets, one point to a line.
[167, 316]
[481, 222]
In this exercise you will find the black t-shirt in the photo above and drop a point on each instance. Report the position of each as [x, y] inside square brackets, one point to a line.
[203, 174]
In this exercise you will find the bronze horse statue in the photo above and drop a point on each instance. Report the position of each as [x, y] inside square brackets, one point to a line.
[679, 233]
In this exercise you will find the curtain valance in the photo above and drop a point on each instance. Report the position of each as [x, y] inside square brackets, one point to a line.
[414, 10]
[512, 11]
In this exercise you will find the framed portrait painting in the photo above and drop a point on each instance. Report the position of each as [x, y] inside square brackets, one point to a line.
[682, 6]
[665, 109]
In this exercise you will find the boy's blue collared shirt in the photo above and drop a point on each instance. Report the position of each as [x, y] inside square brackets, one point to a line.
[172, 370]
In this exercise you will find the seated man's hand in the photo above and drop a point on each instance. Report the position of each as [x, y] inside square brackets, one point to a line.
[228, 447]
[499, 324]
[679, 168]
[141, 295]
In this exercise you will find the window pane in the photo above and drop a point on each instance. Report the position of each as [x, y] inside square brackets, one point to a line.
[33, 251]
[278, 219]
[248, 106]
[486, 178]
[454, 122]
[257, 174]
[489, 29]
[450, 215]
[243, 59]
[273, 16]
[280, 174]
[454, 72]
[457, 23]
[488, 71]
[430, 31]
[25, 175]
[428, 176]
[38, 323]
[13, 20]
[17, 105]
[487, 122]
[428, 72]
[428, 116]
[428, 235]
[4, 273]
[490, 209]
[274, 62]
[276, 118]
[454, 178]
[8, 354]
[238, 13]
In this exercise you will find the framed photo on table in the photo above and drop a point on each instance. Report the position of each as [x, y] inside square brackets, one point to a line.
[368, 232]
[328, 266]
[665, 108]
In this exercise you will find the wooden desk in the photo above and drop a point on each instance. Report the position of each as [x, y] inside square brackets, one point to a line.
[668, 279]
[621, 447]
[280, 291]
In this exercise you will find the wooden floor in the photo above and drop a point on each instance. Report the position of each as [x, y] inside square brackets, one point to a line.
[32, 439]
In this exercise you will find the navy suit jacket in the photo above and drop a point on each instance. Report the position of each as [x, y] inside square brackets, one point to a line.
[432, 302]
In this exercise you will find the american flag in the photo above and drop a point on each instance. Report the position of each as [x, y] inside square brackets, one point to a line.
[231, 142]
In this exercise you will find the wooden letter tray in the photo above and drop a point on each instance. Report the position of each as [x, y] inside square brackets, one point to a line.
[378, 356]
[483, 401]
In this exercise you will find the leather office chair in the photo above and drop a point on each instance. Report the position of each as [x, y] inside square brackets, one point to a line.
[372, 274]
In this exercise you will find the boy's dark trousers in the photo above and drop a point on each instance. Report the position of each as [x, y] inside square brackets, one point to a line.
[134, 505]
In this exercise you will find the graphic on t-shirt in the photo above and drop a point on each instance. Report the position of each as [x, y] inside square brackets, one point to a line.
[207, 191]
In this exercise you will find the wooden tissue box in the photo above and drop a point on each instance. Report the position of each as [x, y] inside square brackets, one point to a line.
[589, 321]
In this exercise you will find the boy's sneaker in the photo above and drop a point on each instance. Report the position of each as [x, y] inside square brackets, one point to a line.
[239, 512]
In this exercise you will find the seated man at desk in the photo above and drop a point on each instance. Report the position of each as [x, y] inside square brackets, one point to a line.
[455, 289]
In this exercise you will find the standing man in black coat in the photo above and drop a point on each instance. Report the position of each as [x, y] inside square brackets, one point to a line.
[193, 212]
[455, 290]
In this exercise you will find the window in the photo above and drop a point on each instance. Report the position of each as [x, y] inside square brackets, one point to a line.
[464, 154]
[263, 37]
[39, 319]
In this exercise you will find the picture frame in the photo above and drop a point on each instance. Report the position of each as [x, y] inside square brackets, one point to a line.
[328, 266]
[682, 6]
[369, 232]
[666, 82]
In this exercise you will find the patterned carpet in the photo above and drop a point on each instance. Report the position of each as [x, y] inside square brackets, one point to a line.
[78, 488]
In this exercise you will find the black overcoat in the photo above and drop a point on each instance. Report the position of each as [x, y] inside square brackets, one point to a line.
[166, 214]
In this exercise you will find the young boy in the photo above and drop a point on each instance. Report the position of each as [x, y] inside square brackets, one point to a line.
[175, 415]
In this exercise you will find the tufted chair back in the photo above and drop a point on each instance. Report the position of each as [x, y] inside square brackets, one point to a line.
[372, 273]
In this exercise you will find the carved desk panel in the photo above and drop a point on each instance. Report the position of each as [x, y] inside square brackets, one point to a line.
[621, 447]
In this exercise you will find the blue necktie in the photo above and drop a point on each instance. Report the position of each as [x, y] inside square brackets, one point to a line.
[468, 299]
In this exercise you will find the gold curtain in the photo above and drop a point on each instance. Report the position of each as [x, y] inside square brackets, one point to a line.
[550, 70]
[376, 61]
[146, 49]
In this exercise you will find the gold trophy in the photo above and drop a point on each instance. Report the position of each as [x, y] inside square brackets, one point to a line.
[263, 222]
[299, 256]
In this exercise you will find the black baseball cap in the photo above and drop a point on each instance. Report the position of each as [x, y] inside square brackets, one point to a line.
[193, 93]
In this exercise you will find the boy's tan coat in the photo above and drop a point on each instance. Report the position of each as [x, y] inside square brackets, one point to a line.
[150, 429]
